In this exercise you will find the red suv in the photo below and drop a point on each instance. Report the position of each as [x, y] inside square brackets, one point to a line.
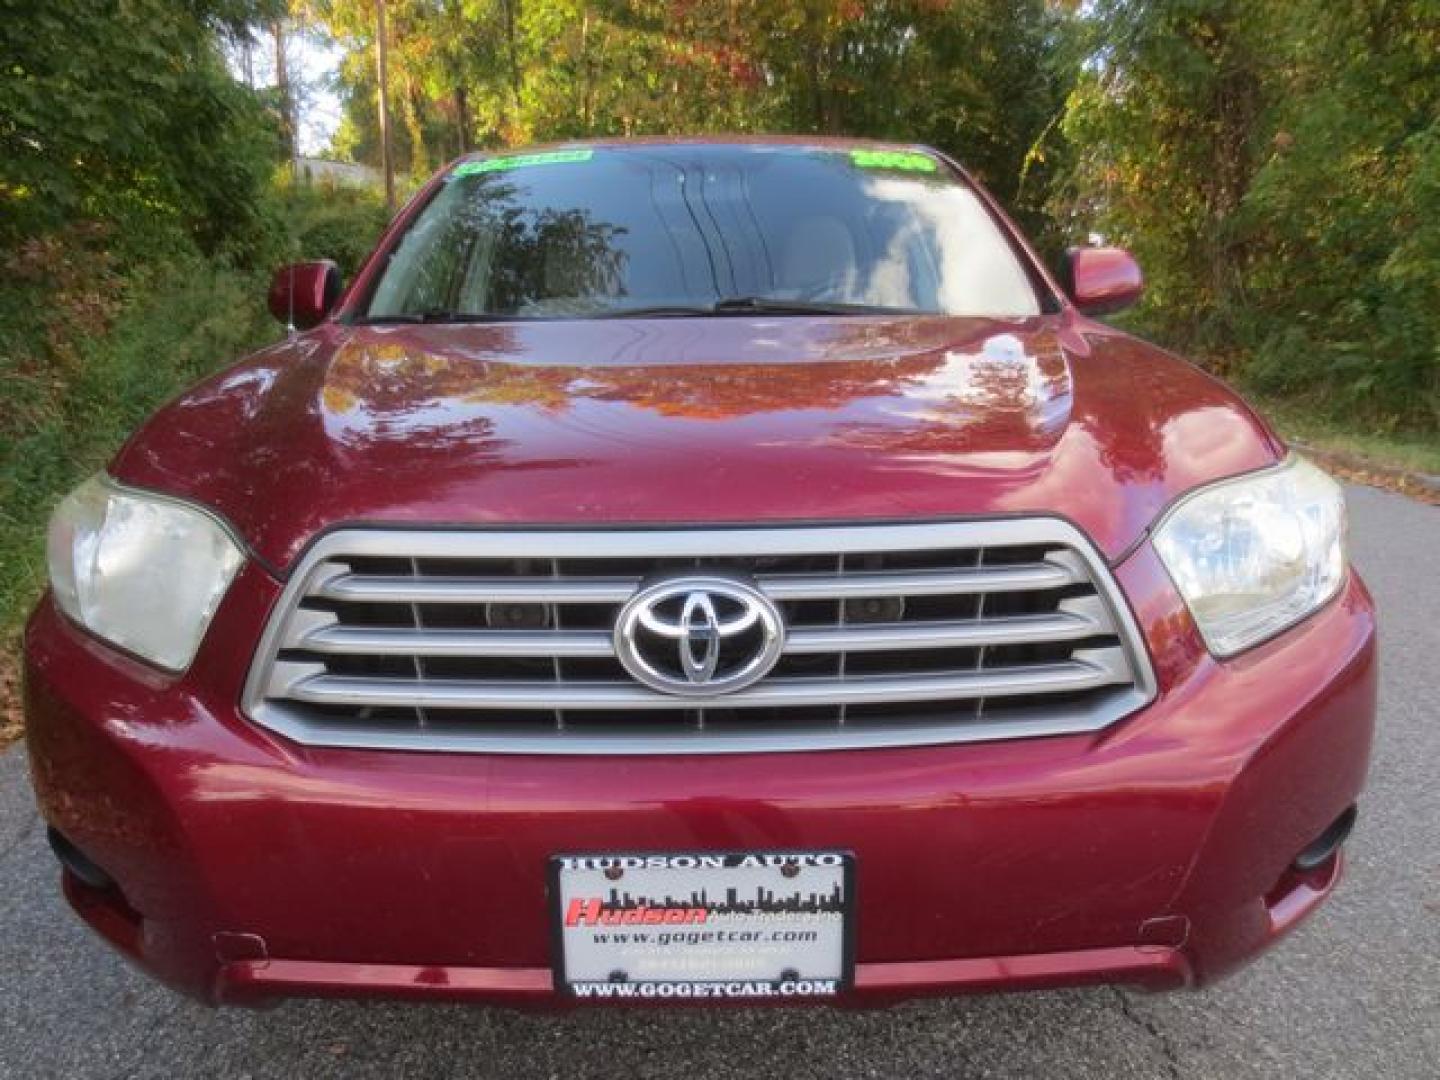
[685, 571]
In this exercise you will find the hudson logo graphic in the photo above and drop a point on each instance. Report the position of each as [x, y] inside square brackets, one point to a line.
[593, 911]
[624, 909]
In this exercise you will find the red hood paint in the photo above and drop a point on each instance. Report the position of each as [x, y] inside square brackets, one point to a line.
[697, 420]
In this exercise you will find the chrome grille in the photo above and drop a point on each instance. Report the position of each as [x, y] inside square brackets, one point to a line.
[501, 641]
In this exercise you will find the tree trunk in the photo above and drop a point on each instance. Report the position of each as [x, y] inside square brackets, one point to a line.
[462, 120]
[387, 159]
[287, 105]
[419, 152]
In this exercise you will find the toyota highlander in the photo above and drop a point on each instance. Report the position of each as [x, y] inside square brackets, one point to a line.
[694, 571]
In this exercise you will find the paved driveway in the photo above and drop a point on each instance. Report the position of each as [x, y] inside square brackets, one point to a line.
[1356, 993]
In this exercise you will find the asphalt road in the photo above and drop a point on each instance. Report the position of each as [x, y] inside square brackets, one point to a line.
[1354, 993]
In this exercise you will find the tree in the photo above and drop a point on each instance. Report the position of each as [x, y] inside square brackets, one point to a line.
[984, 78]
[1164, 119]
[1277, 169]
[110, 109]
[1344, 214]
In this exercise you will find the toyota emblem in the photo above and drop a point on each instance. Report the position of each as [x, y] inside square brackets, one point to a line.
[699, 636]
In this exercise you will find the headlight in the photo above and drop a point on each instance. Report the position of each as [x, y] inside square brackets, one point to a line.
[1254, 555]
[142, 571]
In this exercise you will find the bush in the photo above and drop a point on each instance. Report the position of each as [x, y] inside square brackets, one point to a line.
[329, 221]
[1276, 167]
[100, 323]
[110, 110]
[82, 368]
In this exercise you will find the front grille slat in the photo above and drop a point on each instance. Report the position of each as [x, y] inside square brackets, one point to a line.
[974, 633]
[425, 642]
[383, 641]
[615, 590]
[457, 590]
[1073, 675]
[503, 641]
[925, 583]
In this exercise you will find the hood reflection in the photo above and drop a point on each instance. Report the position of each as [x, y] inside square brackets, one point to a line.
[948, 385]
[1002, 398]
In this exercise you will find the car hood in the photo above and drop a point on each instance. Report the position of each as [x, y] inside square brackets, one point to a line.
[730, 420]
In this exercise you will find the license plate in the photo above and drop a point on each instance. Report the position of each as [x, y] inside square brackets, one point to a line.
[703, 925]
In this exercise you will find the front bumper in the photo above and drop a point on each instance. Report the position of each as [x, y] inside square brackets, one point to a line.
[1156, 853]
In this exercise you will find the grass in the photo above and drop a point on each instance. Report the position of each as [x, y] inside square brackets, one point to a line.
[1409, 451]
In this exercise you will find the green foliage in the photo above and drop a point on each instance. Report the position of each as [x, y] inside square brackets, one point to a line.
[324, 221]
[86, 353]
[92, 342]
[137, 225]
[1344, 216]
[986, 79]
[134, 181]
[1276, 167]
[122, 109]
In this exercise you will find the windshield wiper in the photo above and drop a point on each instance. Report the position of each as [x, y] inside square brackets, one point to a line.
[774, 305]
[659, 311]
[440, 315]
[747, 305]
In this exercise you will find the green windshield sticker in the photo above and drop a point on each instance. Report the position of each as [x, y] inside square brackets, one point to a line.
[904, 160]
[522, 161]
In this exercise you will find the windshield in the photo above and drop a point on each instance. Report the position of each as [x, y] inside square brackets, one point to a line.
[606, 232]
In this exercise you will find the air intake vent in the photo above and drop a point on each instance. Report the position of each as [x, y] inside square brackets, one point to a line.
[504, 642]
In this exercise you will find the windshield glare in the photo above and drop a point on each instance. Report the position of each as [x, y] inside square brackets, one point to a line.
[600, 232]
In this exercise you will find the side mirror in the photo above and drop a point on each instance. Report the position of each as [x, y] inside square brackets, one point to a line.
[302, 294]
[1102, 280]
